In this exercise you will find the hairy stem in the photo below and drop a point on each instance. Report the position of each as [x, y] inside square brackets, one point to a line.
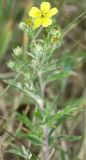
[45, 129]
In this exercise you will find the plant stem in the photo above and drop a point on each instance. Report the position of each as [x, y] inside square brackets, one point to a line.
[1, 151]
[45, 129]
[85, 131]
[42, 86]
[46, 147]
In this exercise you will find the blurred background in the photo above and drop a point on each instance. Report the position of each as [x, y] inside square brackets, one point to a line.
[72, 19]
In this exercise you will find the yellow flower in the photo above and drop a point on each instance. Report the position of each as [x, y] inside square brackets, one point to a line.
[42, 16]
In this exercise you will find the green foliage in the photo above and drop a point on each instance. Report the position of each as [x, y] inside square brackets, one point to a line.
[58, 75]
[23, 118]
[34, 139]
[53, 139]
[41, 65]
[37, 67]
[22, 152]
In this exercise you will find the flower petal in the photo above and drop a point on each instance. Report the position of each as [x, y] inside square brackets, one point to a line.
[52, 12]
[45, 7]
[34, 12]
[46, 22]
[37, 23]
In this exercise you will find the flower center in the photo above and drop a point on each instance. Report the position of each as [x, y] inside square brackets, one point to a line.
[42, 15]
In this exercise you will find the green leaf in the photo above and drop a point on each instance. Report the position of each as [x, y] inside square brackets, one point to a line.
[77, 102]
[1, 12]
[22, 152]
[34, 139]
[62, 154]
[17, 151]
[32, 158]
[69, 138]
[62, 115]
[25, 120]
[58, 75]
[5, 36]
[38, 113]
